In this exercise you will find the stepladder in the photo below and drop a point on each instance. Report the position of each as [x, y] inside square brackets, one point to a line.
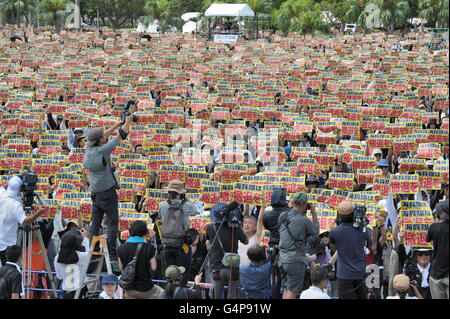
[103, 255]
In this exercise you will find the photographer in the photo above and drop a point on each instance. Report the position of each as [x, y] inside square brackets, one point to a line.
[175, 214]
[279, 203]
[103, 182]
[349, 241]
[12, 214]
[295, 229]
[226, 242]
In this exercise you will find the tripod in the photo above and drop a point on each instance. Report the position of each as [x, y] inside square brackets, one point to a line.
[25, 237]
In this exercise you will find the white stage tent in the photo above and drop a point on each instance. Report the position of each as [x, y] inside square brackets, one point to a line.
[229, 10]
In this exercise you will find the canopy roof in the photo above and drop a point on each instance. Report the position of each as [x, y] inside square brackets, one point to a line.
[229, 10]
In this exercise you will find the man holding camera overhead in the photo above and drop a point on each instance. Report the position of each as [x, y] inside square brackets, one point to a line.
[295, 229]
[350, 243]
[103, 181]
[12, 214]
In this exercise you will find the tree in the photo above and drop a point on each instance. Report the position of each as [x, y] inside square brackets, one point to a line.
[119, 12]
[260, 8]
[13, 10]
[436, 12]
[166, 12]
[393, 13]
[55, 9]
[303, 16]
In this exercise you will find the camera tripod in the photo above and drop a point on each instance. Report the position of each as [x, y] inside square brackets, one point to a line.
[25, 237]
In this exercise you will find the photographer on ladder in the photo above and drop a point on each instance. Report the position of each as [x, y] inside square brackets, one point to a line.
[351, 239]
[103, 181]
[12, 214]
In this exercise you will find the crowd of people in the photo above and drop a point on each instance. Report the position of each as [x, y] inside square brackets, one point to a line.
[304, 167]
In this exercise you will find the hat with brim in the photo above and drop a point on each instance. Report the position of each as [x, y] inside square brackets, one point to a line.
[78, 129]
[345, 208]
[299, 198]
[377, 151]
[383, 163]
[401, 282]
[60, 117]
[94, 136]
[174, 272]
[110, 279]
[215, 213]
[176, 186]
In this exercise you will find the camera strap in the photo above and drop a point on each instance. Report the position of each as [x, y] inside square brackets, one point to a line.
[285, 220]
[218, 237]
[105, 162]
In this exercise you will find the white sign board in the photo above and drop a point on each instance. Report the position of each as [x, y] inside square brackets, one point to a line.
[225, 38]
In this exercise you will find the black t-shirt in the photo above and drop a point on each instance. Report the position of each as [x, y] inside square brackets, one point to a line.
[197, 259]
[438, 233]
[13, 280]
[226, 235]
[143, 280]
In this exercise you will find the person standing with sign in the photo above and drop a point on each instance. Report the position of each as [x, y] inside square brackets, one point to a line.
[103, 181]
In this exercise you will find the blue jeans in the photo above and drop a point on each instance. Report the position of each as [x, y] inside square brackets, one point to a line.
[177, 257]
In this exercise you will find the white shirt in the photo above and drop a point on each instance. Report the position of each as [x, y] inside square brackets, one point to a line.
[242, 251]
[11, 215]
[424, 271]
[314, 293]
[70, 273]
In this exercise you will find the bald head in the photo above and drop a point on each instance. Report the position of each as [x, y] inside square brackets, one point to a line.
[345, 208]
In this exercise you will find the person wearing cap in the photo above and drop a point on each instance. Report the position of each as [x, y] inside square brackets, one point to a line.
[383, 164]
[12, 214]
[417, 268]
[110, 283]
[311, 182]
[438, 234]
[180, 256]
[77, 133]
[401, 285]
[103, 182]
[378, 154]
[143, 286]
[295, 229]
[349, 242]
[173, 288]
[51, 124]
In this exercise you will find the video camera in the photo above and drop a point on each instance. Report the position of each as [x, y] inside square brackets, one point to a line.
[126, 111]
[29, 180]
[232, 214]
[359, 217]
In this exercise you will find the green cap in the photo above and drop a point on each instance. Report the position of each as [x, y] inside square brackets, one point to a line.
[174, 273]
[300, 198]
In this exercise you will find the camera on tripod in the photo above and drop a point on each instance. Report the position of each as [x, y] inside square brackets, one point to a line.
[360, 219]
[232, 214]
[29, 180]
[126, 111]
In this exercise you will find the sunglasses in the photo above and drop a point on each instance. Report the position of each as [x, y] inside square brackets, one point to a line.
[424, 253]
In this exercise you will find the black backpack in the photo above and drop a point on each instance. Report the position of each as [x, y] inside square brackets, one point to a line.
[172, 228]
[126, 279]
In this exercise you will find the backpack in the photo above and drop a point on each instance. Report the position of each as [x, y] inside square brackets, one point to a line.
[126, 279]
[172, 228]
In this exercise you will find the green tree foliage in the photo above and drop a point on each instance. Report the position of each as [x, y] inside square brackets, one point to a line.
[119, 12]
[436, 12]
